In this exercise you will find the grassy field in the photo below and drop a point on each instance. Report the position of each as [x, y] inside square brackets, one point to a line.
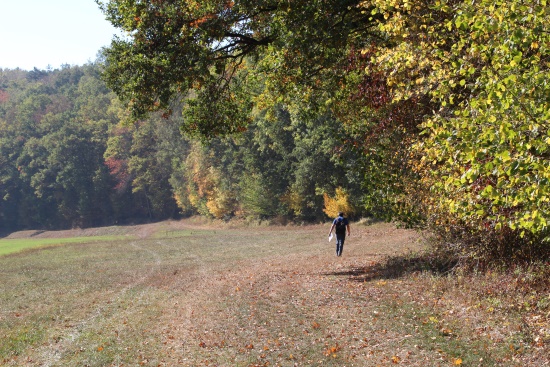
[9, 246]
[184, 294]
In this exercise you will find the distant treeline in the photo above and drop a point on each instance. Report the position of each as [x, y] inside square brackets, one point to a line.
[68, 159]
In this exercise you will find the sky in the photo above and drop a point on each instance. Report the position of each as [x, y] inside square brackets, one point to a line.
[42, 33]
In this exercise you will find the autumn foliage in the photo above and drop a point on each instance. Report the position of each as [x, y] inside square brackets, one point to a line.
[339, 203]
[482, 151]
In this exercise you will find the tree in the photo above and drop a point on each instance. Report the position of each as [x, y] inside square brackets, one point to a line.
[54, 132]
[339, 203]
[141, 166]
[264, 171]
[208, 190]
[483, 151]
[174, 47]
[10, 182]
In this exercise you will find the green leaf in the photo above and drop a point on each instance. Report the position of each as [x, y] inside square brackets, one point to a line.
[504, 156]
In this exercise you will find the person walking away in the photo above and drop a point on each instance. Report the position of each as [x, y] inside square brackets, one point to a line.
[340, 224]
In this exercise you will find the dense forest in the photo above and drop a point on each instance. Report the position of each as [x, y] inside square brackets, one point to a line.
[434, 114]
[70, 159]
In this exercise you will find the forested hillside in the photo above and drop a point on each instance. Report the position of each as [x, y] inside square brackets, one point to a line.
[70, 158]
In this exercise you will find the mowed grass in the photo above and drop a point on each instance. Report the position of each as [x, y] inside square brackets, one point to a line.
[188, 296]
[8, 246]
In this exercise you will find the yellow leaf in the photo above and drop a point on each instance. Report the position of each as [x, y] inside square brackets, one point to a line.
[457, 361]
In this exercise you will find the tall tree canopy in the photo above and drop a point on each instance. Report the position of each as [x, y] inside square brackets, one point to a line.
[445, 102]
[212, 46]
[228, 60]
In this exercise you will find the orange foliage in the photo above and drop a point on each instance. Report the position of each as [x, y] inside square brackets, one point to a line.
[197, 22]
[332, 350]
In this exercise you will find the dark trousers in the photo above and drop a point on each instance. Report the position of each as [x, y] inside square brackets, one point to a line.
[340, 238]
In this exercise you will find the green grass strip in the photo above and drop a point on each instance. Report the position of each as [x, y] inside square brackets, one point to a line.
[9, 246]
